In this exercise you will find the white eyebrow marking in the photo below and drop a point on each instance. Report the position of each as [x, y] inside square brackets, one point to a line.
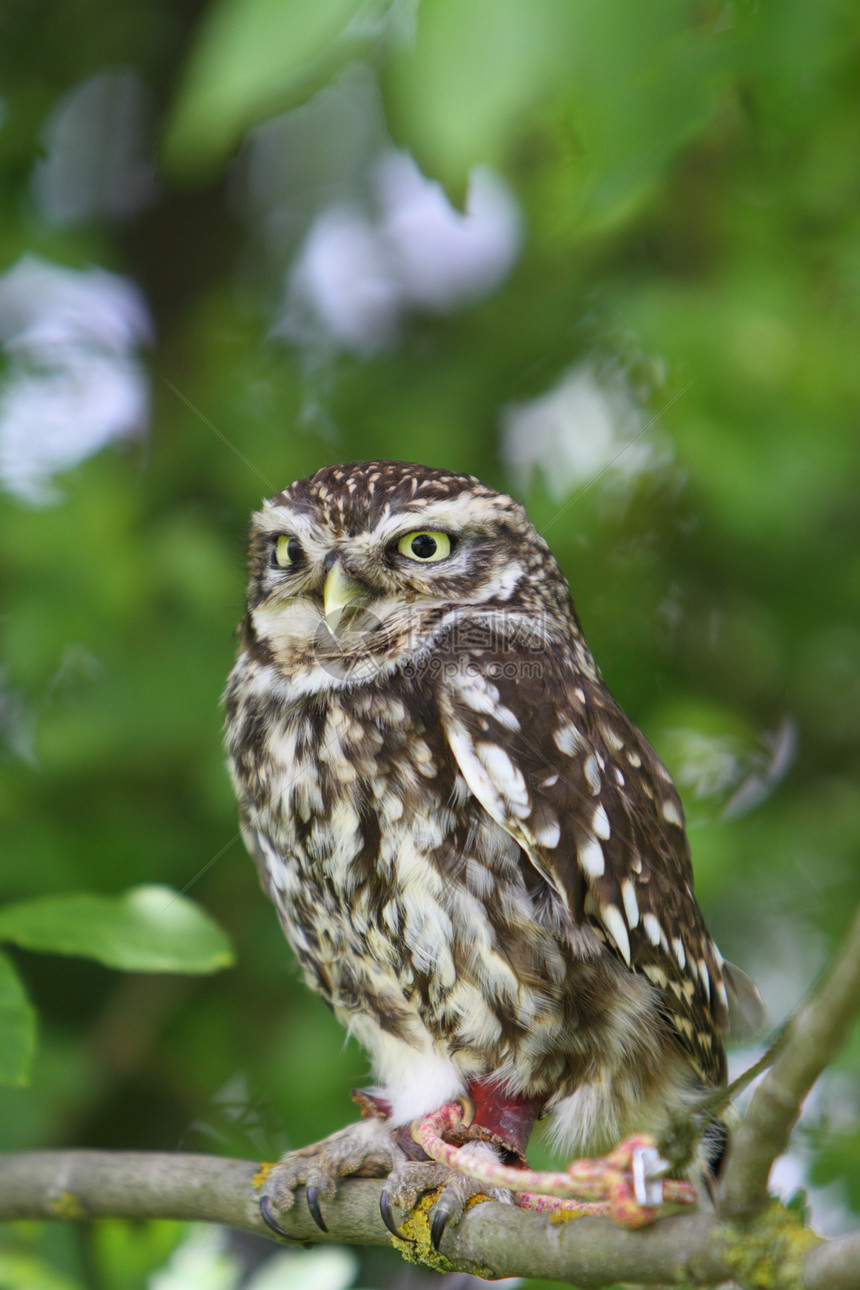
[276, 518]
[453, 513]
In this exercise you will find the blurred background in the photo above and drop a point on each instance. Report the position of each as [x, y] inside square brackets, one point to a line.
[604, 256]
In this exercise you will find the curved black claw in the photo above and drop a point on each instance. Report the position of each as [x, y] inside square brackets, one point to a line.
[442, 1216]
[267, 1214]
[387, 1215]
[313, 1198]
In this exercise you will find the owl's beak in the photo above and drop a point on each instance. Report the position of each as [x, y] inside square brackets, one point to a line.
[340, 591]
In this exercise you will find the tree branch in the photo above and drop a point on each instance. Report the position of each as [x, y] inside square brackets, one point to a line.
[833, 1265]
[811, 1040]
[78, 1186]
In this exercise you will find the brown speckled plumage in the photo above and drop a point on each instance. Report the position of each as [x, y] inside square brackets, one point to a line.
[479, 861]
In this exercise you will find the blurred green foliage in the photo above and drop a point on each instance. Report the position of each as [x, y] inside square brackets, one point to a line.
[686, 175]
[147, 929]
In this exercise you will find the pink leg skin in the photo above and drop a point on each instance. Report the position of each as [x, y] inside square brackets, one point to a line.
[605, 1186]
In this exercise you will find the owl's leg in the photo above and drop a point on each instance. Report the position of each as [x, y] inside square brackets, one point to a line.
[366, 1149]
[629, 1185]
[495, 1129]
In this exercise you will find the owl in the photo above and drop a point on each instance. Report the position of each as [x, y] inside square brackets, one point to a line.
[478, 860]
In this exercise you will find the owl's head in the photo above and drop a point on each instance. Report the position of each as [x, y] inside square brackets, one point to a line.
[366, 556]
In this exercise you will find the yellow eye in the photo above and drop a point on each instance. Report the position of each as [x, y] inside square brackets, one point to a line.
[426, 548]
[288, 551]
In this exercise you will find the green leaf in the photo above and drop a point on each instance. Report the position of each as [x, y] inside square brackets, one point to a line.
[146, 929]
[252, 56]
[459, 94]
[17, 1027]
[487, 81]
[643, 79]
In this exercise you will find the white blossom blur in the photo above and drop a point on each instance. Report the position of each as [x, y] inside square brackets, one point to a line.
[362, 268]
[72, 381]
[729, 768]
[587, 425]
[17, 723]
[97, 153]
[207, 1259]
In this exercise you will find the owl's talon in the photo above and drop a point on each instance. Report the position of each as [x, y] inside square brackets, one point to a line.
[365, 1149]
[312, 1196]
[442, 1215]
[267, 1214]
[387, 1214]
